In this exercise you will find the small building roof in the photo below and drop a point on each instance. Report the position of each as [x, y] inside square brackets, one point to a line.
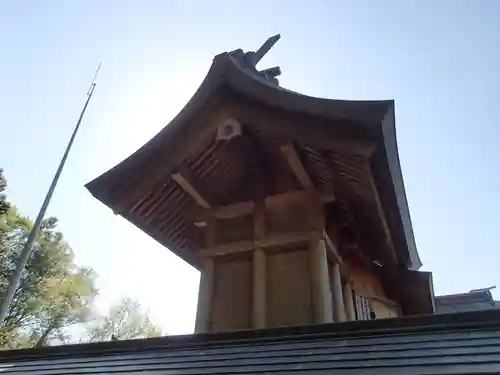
[463, 343]
[359, 130]
[474, 300]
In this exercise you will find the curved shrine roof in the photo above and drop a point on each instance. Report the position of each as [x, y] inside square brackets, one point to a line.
[231, 76]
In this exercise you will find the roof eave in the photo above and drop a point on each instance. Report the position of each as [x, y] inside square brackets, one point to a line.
[100, 186]
[394, 165]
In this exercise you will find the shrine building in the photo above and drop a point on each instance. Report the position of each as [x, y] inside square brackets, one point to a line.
[293, 208]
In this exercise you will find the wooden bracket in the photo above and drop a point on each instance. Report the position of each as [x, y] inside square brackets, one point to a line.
[193, 186]
[292, 157]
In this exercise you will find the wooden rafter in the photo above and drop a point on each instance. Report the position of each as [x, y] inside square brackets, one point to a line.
[292, 157]
[193, 186]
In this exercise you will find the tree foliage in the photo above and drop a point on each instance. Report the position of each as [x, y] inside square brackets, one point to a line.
[54, 293]
[124, 321]
[4, 206]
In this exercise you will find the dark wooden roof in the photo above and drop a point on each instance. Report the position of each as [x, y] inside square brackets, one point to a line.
[464, 343]
[413, 289]
[471, 301]
[356, 139]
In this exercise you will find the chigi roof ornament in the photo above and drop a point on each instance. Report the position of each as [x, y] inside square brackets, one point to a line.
[252, 58]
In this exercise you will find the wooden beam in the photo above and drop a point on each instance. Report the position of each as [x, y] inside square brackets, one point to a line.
[248, 245]
[193, 186]
[234, 210]
[246, 208]
[292, 157]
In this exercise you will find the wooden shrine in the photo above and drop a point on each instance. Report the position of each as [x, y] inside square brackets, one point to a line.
[292, 207]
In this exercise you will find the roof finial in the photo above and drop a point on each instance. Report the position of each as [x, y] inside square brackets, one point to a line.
[264, 49]
[254, 57]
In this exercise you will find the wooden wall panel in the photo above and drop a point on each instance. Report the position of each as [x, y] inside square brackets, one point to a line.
[289, 289]
[235, 229]
[291, 216]
[382, 310]
[232, 295]
[366, 284]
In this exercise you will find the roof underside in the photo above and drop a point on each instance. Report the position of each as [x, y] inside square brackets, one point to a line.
[348, 147]
[465, 343]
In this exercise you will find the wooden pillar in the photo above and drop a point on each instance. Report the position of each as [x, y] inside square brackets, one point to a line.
[259, 309]
[259, 289]
[321, 297]
[205, 296]
[349, 302]
[206, 290]
[338, 300]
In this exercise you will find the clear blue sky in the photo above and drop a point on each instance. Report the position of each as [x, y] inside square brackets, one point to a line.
[439, 60]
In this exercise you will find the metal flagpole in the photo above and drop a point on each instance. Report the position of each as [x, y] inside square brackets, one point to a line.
[28, 246]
